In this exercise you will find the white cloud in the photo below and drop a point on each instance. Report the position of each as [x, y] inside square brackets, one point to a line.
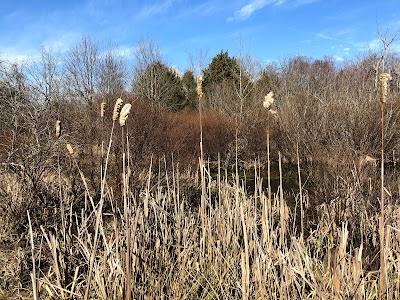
[246, 11]
[374, 45]
[324, 36]
[63, 42]
[338, 58]
[298, 3]
[14, 55]
[204, 9]
[123, 51]
[155, 9]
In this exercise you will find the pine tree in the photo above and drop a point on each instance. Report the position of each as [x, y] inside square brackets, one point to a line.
[222, 68]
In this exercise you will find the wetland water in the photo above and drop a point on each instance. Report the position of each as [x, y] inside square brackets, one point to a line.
[248, 177]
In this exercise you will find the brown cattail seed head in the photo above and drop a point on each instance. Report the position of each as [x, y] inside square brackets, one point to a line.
[124, 114]
[268, 100]
[58, 128]
[70, 150]
[117, 108]
[383, 86]
[102, 108]
[200, 86]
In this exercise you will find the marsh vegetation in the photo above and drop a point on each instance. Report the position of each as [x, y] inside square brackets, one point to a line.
[199, 192]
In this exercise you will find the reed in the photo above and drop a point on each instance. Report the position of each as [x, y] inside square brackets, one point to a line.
[268, 101]
[199, 82]
[102, 111]
[159, 250]
[98, 211]
[58, 129]
[123, 116]
[117, 108]
[383, 91]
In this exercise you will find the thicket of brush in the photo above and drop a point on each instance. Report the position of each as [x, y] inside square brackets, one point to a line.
[152, 241]
[140, 217]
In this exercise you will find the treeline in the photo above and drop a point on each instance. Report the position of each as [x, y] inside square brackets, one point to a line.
[327, 110]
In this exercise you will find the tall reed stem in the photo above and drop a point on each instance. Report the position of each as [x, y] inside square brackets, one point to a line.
[301, 193]
[202, 175]
[383, 90]
[382, 277]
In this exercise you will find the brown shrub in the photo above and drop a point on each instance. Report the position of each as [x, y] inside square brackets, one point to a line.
[155, 131]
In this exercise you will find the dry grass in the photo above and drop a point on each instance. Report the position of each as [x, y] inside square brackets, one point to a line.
[158, 245]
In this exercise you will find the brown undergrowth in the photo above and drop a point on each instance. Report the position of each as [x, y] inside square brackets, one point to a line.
[151, 241]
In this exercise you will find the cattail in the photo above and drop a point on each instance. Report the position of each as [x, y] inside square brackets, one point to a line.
[124, 114]
[200, 86]
[58, 128]
[383, 86]
[70, 150]
[117, 108]
[102, 108]
[268, 100]
[273, 112]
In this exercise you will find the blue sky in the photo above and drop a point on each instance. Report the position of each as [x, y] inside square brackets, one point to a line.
[267, 30]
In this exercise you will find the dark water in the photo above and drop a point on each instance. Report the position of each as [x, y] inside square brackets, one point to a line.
[290, 184]
[290, 178]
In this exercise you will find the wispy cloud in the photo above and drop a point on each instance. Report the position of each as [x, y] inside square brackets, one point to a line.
[342, 35]
[155, 9]
[123, 51]
[204, 9]
[246, 11]
[338, 58]
[298, 3]
[326, 37]
[14, 54]
[63, 42]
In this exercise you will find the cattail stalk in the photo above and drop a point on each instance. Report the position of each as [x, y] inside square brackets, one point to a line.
[70, 150]
[300, 192]
[58, 134]
[33, 274]
[123, 116]
[115, 116]
[203, 184]
[282, 207]
[117, 108]
[102, 109]
[383, 91]
[268, 101]
[58, 128]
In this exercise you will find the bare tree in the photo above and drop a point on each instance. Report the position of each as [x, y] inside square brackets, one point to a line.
[112, 73]
[153, 79]
[14, 102]
[146, 81]
[249, 73]
[197, 61]
[386, 42]
[81, 67]
[45, 77]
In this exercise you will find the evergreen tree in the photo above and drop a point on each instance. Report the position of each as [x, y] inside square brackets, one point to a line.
[160, 84]
[189, 86]
[222, 68]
